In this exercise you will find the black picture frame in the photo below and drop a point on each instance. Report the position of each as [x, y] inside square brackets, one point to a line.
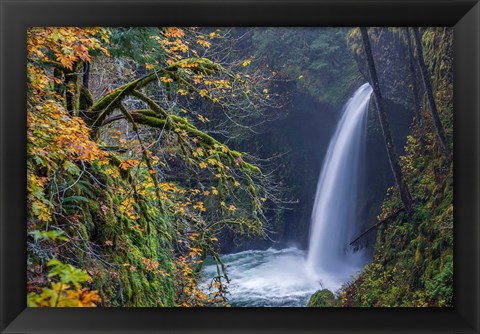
[16, 16]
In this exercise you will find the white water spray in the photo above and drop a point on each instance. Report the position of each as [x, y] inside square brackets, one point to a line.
[285, 277]
[334, 216]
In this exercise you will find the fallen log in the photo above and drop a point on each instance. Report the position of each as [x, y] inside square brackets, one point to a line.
[383, 221]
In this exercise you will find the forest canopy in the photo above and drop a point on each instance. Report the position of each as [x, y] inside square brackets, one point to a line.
[106, 143]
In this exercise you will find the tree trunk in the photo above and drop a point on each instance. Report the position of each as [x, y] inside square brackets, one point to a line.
[428, 88]
[69, 95]
[86, 74]
[72, 93]
[392, 155]
[86, 97]
[415, 90]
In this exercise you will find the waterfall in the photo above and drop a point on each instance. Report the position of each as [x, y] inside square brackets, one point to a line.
[334, 217]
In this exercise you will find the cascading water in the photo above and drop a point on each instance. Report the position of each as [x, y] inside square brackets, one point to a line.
[334, 221]
[286, 277]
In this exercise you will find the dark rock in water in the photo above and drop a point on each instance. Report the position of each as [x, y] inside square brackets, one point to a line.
[323, 298]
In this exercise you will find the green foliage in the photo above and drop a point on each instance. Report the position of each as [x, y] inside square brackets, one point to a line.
[441, 286]
[66, 272]
[135, 44]
[143, 237]
[413, 260]
[323, 298]
[314, 58]
[54, 235]
[65, 289]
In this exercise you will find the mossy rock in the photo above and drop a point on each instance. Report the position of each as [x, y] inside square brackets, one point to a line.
[323, 298]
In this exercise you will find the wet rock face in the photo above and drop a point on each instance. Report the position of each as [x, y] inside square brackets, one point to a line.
[392, 64]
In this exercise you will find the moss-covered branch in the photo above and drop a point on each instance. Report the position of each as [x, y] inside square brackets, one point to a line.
[152, 173]
[234, 156]
[101, 109]
[86, 98]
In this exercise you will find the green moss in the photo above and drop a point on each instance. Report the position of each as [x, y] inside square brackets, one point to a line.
[109, 246]
[323, 298]
[413, 263]
[86, 98]
[142, 118]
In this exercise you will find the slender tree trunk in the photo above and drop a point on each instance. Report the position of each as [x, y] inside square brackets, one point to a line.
[392, 155]
[70, 96]
[86, 74]
[72, 89]
[415, 90]
[86, 97]
[428, 88]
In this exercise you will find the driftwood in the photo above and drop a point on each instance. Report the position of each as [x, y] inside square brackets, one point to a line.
[383, 221]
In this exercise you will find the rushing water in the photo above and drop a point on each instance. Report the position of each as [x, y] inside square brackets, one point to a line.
[334, 217]
[267, 278]
[288, 277]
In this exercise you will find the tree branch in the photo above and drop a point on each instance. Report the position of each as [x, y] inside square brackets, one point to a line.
[383, 221]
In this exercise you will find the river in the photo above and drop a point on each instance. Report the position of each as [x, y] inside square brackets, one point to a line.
[271, 278]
